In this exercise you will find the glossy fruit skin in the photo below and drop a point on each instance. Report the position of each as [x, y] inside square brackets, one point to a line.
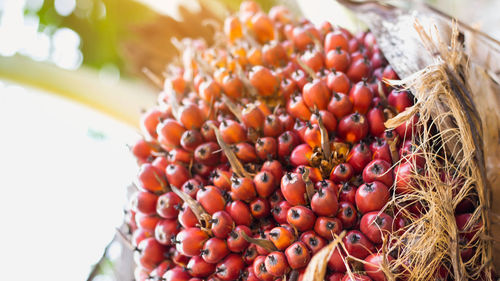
[151, 178]
[264, 81]
[353, 128]
[243, 189]
[324, 202]
[343, 172]
[166, 230]
[400, 100]
[297, 108]
[186, 217]
[338, 82]
[176, 274]
[149, 253]
[301, 218]
[337, 59]
[235, 241]
[356, 277]
[297, 255]
[198, 267]
[327, 227]
[191, 117]
[336, 261]
[347, 214]
[280, 211]
[301, 155]
[403, 177]
[272, 126]
[359, 156]
[266, 148]
[329, 120]
[281, 237]
[378, 170]
[276, 264]
[293, 188]
[373, 265]
[376, 225]
[168, 205]
[211, 198]
[176, 175]
[361, 96]
[190, 241]
[229, 268]
[144, 202]
[232, 132]
[313, 241]
[347, 193]
[260, 270]
[335, 39]
[265, 184]
[376, 121]
[260, 208]
[170, 132]
[222, 224]
[380, 150]
[316, 94]
[357, 244]
[240, 213]
[214, 250]
[371, 196]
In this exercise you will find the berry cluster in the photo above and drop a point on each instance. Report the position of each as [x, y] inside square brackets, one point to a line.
[264, 148]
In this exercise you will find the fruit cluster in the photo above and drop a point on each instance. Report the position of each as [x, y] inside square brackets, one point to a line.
[266, 147]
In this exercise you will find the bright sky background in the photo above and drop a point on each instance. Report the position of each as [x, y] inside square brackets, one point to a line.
[64, 170]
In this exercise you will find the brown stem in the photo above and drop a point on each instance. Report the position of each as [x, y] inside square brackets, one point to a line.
[264, 243]
[309, 184]
[200, 213]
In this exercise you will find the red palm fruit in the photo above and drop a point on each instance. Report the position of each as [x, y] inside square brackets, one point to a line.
[410, 153]
[177, 257]
[254, 56]
[347, 214]
[245, 152]
[371, 196]
[191, 117]
[232, 28]
[141, 234]
[276, 264]
[142, 150]
[313, 59]
[359, 156]
[340, 105]
[300, 129]
[327, 117]
[189, 241]
[353, 128]
[176, 174]
[389, 73]
[376, 121]
[376, 225]
[191, 187]
[343, 172]
[208, 132]
[232, 131]
[316, 94]
[380, 150]
[262, 27]
[235, 241]
[287, 120]
[214, 250]
[313, 241]
[378, 170]
[265, 184]
[211, 199]
[337, 260]
[176, 274]
[144, 202]
[335, 39]
[314, 173]
[408, 128]
[361, 96]
[260, 270]
[347, 192]
[198, 267]
[301, 155]
[280, 212]
[147, 222]
[222, 179]
[312, 136]
[272, 126]
[263, 234]
[281, 237]
[166, 230]
[390, 136]
[356, 277]
[400, 100]
[297, 255]
[149, 254]
[288, 87]
[297, 107]
[467, 228]
[327, 184]
[149, 122]
[266, 83]
[168, 205]
[327, 227]
[151, 178]
[300, 78]
[373, 264]
[232, 86]
[240, 212]
[208, 154]
[274, 167]
[209, 90]
[178, 156]
[260, 208]
[287, 141]
[359, 69]
[404, 177]
[274, 54]
[242, 189]
[190, 139]
[338, 59]
[301, 218]
[250, 254]
[222, 224]
[160, 270]
[324, 202]
[338, 82]
[357, 244]
[303, 36]
[230, 267]
[252, 117]
[187, 217]
[293, 188]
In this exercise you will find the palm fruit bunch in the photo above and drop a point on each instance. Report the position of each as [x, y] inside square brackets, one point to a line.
[265, 147]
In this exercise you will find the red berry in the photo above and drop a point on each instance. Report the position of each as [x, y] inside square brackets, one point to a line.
[169, 133]
[373, 264]
[378, 170]
[280, 211]
[357, 244]
[371, 196]
[335, 39]
[260, 208]
[327, 227]
[242, 189]
[211, 199]
[343, 172]
[281, 237]
[324, 202]
[265, 184]
[198, 267]
[297, 255]
[293, 188]
[301, 218]
[190, 241]
[266, 148]
[313, 241]
[151, 178]
[166, 230]
[316, 94]
[359, 156]
[347, 214]
[338, 82]
[276, 264]
[230, 268]
[338, 59]
[149, 253]
[235, 242]
[144, 202]
[376, 225]
[240, 212]
[214, 250]
[301, 155]
[260, 270]
[176, 274]
[222, 224]
[168, 205]
[353, 128]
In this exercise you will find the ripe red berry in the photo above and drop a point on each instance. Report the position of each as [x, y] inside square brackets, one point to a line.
[359, 156]
[166, 230]
[359, 69]
[191, 116]
[337, 260]
[371, 196]
[198, 267]
[189, 241]
[281, 237]
[229, 268]
[222, 224]
[378, 170]
[380, 150]
[343, 172]
[361, 96]
[276, 264]
[327, 227]
[214, 250]
[347, 214]
[353, 128]
[245, 152]
[149, 253]
[176, 274]
[169, 133]
[293, 188]
[266, 83]
[260, 208]
[176, 175]
[316, 94]
[338, 82]
[239, 212]
[266, 148]
[242, 189]
[168, 205]
[232, 131]
[260, 270]
[357, 244]
[338, 59]
[211, 199]
[376, 225]
[301, 218]
[297, 255]
[265, 184]
[324, 202]
[356, 277]
[280, 211]
[376, 121]
[335, 39]
[144, 202]
[373, 266]
[313, 241]
[400, 100]
[301, 155]
[186, 217]
[235, 242]
[297, 108]
[151, 178]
